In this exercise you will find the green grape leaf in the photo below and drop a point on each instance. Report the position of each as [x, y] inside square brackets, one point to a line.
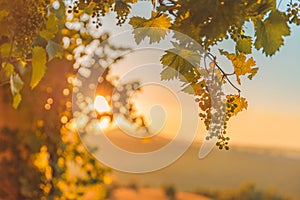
[16, 84]
[238, 103]
[51, 27]
[190, 77]
[5, 49]
[269, 33]
[17, 98]
[241, 65]
[244, 44]
[38, 65]
[158, 26]
[168, 73]
[54, 50]
[181, 59]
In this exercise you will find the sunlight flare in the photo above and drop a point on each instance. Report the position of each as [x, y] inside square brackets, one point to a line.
[101, 105]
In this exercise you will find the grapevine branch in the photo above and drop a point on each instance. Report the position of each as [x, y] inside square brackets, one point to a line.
[225, 75]
[4, 83]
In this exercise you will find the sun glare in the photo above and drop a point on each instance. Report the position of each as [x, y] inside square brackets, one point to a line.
[101, 105]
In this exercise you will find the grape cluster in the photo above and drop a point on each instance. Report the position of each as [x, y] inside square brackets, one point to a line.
[230, 110]
[213, 110]
[122, 9]
[293, 12]
[31, 19]
[74, 8]
[98, 10]
[96, 16]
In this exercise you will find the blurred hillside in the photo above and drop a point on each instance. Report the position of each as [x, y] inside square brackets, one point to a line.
[267, 168]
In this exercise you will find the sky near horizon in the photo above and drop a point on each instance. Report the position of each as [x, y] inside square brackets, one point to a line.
[273, 115]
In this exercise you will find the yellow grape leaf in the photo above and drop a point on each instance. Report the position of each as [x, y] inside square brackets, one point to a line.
[51, 27]
[269, 33]
[241, 65]
[17, 98]
[237, 103]
[3, 13]
[38, 65]
[157, 26]
[9, 69]
[90, 8]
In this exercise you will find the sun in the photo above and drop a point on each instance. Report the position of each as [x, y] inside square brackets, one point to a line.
[101, 106]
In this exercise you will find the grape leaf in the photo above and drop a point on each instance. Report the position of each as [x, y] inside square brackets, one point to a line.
[194, 87]
[156, 28]
[3, 13]
[176, 62]
[60, 13]
[269, 33]
[17, 98]
[244, 44]
[9, 69]
[181, 59]
[5, 49]
[16, 84]
[168, 74]
[90, 8]
[54, 50]
[38, 65]
[190, 77]
[241, 65]
[51, 27]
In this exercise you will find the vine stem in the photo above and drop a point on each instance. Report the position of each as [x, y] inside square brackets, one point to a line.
[205, 63]
[225, 75]
[4, 83]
